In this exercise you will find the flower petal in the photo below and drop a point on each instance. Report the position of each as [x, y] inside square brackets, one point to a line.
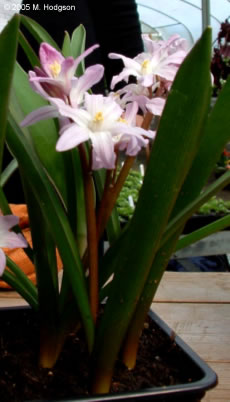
[43, 113]
[79, 116]
[131, 113]
[48, 55]
[78, 60]
[103, 151]
[14, 240]
[129, 63]
[91, 76]
[7, 238]
[2, 262]
[7, 222]
[155, 106]
[71, 137]
[124, 75]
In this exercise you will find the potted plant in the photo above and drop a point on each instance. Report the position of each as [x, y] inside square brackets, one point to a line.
[65, 141]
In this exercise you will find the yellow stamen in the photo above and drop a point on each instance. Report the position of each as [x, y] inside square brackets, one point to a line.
[122, 120]
[145, 66]
[98, 117]
[55, 69]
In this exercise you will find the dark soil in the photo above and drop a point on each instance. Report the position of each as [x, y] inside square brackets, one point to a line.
[160, 362]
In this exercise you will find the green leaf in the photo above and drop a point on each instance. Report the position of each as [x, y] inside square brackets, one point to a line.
[180, 219]
[55, 217]
[20, 282]
[216, 134]
[31, 55]
[37, 31]
[8, 171]
[78, 47]
[203, 232]
[175, 147]
[66, 46]
[43, 134]
[8, 50]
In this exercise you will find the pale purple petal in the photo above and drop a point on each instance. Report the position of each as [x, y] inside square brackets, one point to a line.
[14, 240]
[93, 103]
[48, 55]
[91, 76]
[147, 80]
[71, 138]
[141, 101]
[103, 151]
[167, 72]
[78, 60]
[131, 113]
[43, 113]
[7, 238]
[7, 222]
[129, 63]
[66, 73]
[176, 58]
[122, 128]
[2, 262]
[155, 106]
[124, 75]
[79, 116]
[35, 85]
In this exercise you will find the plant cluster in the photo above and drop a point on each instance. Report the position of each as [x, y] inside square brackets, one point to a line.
[132, 186]
[220, 64]
[66, 142]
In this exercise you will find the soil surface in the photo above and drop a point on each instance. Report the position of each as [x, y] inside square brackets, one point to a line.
[160, 362]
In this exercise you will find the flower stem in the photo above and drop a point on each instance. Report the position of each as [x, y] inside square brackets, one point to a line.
[109, 198]
[91, 233]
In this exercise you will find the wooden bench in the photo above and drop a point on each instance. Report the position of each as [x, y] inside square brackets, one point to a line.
[197, 307]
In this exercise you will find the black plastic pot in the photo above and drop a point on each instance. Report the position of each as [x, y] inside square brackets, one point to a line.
[198, 221]
[189, 392]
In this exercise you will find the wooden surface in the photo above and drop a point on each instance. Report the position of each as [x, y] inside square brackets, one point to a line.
[197, 307]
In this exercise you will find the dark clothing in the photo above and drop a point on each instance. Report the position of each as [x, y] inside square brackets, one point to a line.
[113, 24]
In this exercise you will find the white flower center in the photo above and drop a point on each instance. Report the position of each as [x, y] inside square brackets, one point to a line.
[146, 67]
[97, 121]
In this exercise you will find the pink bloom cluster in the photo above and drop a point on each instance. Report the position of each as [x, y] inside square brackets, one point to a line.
[154, 70]
[108, 122]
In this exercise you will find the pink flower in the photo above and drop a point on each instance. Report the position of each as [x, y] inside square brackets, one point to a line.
[102, 123]
[56, 74]
[79, 86]
[160, 60]
[127, 136]
[9, 239]
[96, 123]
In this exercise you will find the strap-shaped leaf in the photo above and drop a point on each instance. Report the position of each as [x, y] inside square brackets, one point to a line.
[216, 135]
[66, 46]
[78, 46]
[203, 232]
[55, 218]
[175, 147]
[31, 55]
[8, 50]
[37, 31]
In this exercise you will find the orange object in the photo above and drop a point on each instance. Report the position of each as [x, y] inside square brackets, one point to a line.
[18, 255]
